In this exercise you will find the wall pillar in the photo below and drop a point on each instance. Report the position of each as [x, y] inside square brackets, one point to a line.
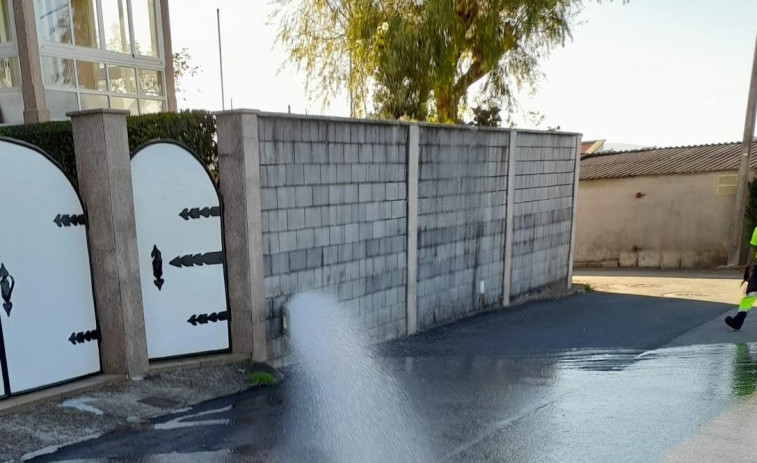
[32, 87]
[239, 168]
[413, 175]
[574, 214]
[512, 157]
[103, 163]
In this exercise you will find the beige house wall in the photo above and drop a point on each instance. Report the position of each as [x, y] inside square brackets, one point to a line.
[679, 221]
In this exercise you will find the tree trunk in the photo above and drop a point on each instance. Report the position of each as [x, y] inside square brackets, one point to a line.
[446, 105]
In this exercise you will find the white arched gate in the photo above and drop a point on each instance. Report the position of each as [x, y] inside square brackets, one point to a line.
[181, 261]
[48, 330]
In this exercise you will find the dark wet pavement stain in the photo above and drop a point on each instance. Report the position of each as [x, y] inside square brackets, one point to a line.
[482, 402]
[575, 406]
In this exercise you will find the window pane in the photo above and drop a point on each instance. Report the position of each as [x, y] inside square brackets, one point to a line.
[150, 82]
[145, 32]
[10, 74]
[11, 108]
[60, 103]
[5, 23]
[53, 21]
[116, 24]
[91, 75]
[58, 72]
[122, 80]
[150, 106]
[85, 23]
[93, 101]
[129, 104]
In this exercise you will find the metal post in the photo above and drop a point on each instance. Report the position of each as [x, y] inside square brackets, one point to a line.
[220, 58]
[739, 207]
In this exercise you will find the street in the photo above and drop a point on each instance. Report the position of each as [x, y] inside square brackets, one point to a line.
[593, 377]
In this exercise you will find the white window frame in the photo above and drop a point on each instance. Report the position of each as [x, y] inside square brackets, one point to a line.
[108, 58]
[108, 92]
[43, 45]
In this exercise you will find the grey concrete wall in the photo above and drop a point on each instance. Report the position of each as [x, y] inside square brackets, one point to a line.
[543, 210]
[680, 221]
[461, 222]
[334, 205]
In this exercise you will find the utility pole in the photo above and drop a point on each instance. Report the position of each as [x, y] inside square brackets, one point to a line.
[739, 206]
[220, 58]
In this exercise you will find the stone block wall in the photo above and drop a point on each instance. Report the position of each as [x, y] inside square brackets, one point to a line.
[461, 222]
[334, 218]
[336, 210]
[543, 210]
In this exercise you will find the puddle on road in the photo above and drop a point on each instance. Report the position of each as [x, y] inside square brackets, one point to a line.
[185, 420]
[573, 405]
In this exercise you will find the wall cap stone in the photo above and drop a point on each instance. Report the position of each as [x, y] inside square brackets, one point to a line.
[90, 112]
[395, 123]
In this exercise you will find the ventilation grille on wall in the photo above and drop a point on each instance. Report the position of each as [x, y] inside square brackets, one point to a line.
[727, 185]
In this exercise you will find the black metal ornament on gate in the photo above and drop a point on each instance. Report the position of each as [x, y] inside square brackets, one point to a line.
[191, 260]
[196, 212]
[204, 318]
[6, 288]
[84, 336]
[157, 267]
[69, 220]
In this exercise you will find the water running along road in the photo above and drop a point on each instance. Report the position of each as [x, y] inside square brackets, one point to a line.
[590, 378]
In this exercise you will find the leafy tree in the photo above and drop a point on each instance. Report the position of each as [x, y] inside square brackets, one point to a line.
[183, 68]
[420, 58]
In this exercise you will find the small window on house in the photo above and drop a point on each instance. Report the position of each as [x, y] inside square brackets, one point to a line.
[727, 185]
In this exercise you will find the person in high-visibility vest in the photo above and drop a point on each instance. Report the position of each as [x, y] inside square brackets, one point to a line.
[750, 276]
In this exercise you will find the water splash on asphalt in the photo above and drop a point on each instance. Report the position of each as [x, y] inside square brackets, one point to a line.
[355, 407]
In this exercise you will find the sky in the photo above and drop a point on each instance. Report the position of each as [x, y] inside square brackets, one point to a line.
[647, 72]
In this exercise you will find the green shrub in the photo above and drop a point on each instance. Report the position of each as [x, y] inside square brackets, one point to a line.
[55, 138]
[262, 378]
[196, 129]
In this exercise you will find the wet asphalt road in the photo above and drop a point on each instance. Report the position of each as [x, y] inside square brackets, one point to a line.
[583, 379]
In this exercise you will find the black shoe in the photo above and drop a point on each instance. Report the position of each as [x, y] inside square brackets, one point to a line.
[737, 321]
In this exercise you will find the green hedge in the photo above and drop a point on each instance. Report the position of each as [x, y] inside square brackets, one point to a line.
[196, 129]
